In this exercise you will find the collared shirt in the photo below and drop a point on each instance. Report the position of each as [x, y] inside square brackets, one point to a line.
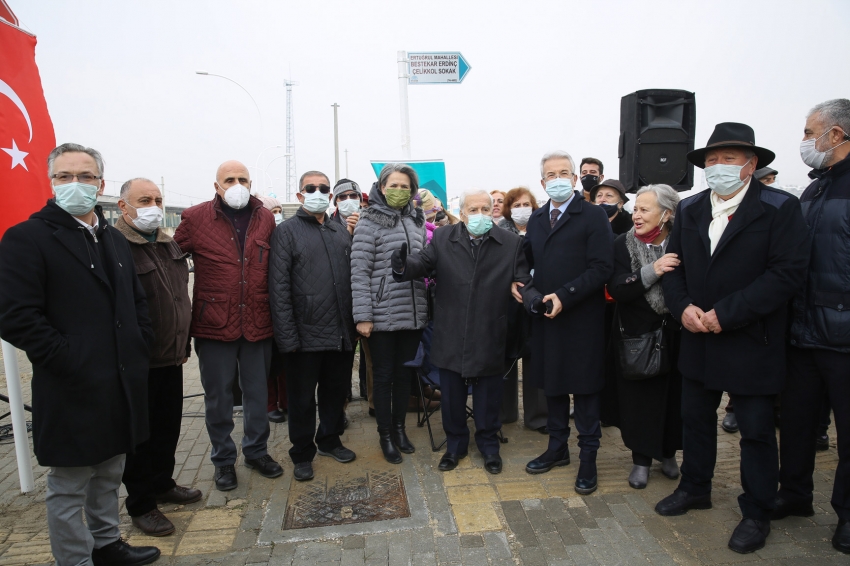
[563, 208]
[92, 229]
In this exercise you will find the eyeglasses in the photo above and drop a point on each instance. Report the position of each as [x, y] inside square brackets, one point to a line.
[68, 177]
[562, 175]
[310, 189]
[346, 197]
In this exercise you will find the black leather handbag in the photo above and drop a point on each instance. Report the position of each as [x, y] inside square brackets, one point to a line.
[645, 355]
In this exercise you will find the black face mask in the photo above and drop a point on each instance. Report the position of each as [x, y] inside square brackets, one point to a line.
[589, 181]
[610, 209]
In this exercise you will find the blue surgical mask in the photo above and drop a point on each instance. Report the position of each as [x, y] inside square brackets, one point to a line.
[724, 179]
[316, 202]
[278, 219]
[559, 190]
[76, 199]
[479, 224]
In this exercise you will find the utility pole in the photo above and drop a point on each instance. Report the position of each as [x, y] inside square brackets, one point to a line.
[336, 143]
[403, 77]
[346, 164]
[291, 178]
[164, 211]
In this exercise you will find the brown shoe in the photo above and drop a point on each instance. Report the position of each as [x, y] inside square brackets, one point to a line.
[431, 393]
[181, 495]
[414, 403]
[154, 523]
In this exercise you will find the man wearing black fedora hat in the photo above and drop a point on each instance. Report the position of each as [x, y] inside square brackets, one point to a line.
[743, 251]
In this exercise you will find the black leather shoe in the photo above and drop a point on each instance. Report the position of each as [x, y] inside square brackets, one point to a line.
[822, 442]
[340, 454]
[400, 440]
[841, 538]
[225, 478]
[680, 502]
[547, 461]
[119, 553]
[303, 471]
[180, 495]
[749, 536]
[265, 466]
[493, 463]
[586, 479]
[785, 508]
[277, 416]
[391, 453]
[730, 423]
[449, 461]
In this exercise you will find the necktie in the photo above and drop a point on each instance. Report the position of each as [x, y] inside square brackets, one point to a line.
[475, 243]
[553, 217]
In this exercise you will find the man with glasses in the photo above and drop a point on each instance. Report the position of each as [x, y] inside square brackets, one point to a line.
[228, 238]
[70, 298]
[310, 285]
[347, 198]
[570, 246]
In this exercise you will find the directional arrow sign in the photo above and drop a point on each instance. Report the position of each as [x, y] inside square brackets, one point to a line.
[437, 67]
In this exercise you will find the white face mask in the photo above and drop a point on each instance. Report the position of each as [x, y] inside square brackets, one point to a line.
[237, 196]
[278, 218]
[348, 207]
[521, 215]
[316, 202]
[147, 219]
[724, 179]
[812, 156]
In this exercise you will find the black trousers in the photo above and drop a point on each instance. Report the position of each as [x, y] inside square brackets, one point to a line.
[309, 373]
[811, 374]
[486, 403]
[148, 471]
[587, 409]
[759, 453]
[390, 379]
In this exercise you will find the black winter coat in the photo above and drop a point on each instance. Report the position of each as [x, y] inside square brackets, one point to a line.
[310, 285]
[757, 267]
[574, 260]
[78, 310]
[647, 411]
[622, 223]
[821, 313]
[473, 304]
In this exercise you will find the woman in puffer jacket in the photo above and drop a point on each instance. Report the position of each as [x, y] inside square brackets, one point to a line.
[389, 313]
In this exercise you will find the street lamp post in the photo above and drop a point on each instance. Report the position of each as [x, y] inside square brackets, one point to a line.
[336, 143]
[257, 106]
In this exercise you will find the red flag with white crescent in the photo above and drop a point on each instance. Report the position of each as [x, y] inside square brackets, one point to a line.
[26, 131]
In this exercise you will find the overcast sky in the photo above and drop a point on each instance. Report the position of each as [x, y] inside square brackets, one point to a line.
[120, 76]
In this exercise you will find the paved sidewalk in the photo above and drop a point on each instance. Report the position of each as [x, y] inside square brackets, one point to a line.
[463, 517]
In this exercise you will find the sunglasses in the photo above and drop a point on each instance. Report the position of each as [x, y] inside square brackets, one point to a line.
[354, 196]
[324, 189]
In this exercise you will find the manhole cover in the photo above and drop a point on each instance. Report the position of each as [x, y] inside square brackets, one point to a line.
[379, 496]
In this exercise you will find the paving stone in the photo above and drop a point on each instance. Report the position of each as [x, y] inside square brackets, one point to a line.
[448, 549]
[474, 556]
[532, 557]
[597, 507]
[552, 545]
[471, 541]
[581, 556]
[497, 546]
[582, 518]
[539, 520]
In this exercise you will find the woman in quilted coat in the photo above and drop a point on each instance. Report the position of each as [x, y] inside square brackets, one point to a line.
[390, 314]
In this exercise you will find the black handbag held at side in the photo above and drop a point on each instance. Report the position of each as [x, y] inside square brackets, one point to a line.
[645, 355]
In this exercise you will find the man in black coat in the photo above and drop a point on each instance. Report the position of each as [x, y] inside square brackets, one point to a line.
[569, 244]
[70, 298]
[310, 295]
[476, 264]
[743, 252]
[819, 355]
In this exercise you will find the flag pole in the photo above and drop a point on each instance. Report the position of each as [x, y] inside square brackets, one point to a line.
[19, 424]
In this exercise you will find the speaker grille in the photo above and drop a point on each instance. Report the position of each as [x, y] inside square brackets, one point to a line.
[663, 156]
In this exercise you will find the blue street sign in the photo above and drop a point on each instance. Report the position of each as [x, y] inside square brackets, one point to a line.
[436, 67]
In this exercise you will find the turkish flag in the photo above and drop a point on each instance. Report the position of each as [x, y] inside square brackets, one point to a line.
[26, 131]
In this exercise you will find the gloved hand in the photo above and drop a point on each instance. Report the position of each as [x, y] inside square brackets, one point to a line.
[399, 259]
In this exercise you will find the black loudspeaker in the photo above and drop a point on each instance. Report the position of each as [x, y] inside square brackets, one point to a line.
[656, 134]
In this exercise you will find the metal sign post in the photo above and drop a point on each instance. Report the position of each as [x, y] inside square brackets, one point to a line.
[19, 423]
[420, 68]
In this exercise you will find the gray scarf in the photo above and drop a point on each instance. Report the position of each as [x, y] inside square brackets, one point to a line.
[642, 255]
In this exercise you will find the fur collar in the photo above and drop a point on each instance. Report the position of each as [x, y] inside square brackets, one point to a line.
[134, 237]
